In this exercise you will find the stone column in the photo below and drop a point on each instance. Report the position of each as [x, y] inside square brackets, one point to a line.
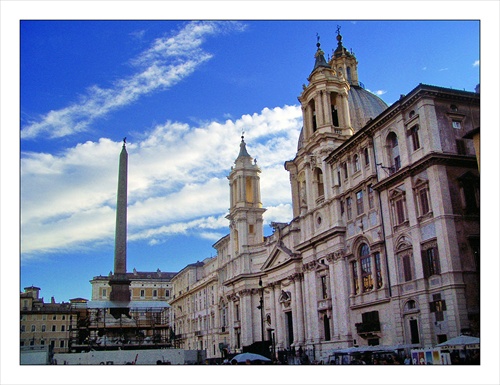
[272, 306]
[346, 119]
[319, 111]
[281, 330]
[328, 103]
[298, 304]
[309, 302]
[343, 280]
[246, 317]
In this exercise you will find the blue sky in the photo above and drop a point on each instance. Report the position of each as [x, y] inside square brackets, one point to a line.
[182, 92]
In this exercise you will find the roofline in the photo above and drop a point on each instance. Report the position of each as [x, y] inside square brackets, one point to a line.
[394, 108]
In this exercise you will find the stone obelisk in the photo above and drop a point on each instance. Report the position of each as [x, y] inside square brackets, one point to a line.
[120, 285]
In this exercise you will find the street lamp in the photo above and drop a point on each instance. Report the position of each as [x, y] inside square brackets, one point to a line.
[261, 307]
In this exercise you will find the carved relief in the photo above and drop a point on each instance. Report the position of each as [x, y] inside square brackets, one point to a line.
[295, 276]
[245, 292]
[336, 255]
[309, 266]
[285, 298]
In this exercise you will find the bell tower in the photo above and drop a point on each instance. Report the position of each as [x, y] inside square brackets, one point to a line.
[326, 125]
[324, 103]
[246, 212]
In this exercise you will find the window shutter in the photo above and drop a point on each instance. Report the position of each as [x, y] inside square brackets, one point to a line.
[425, 264]
[437, 263]
[432, 305]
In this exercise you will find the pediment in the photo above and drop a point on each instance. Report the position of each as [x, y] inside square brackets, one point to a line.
[279, 256]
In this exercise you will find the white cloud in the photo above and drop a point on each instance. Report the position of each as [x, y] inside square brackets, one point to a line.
[378, 92]
[476, 63]
[161, 66]
[177, 182]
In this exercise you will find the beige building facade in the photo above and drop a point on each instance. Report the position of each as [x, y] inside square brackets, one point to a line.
[45, 325]
[383, 247]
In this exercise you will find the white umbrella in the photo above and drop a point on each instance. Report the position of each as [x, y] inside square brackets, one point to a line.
[460, 341]
[243, 357]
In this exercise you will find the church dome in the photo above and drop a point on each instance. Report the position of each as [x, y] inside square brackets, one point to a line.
[363, 106]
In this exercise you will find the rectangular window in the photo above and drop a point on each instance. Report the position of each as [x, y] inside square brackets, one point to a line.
[433, 261]
[344, 165]
[355, 277]
[339, 178]
[324, 290]
[414, 138]
[366, 274]
[23, 328]
[43, 328]
[471, 195]
[359, 202]
[424, 201]
[53, 328]
[430, 262]
[142, 293]
[456, 124]
[461, 148]
[348, 202]
[33, 328]
[399, 211]
[370, 197]
[61, 344]
[366, 156]
[341, 207]
[104, 292]
[63, 328]
[406, 268]
[155, 293]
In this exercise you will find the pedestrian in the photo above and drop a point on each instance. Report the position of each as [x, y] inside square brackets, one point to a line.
[407, 360]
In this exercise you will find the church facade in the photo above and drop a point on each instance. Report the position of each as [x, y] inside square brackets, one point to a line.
[383, 247]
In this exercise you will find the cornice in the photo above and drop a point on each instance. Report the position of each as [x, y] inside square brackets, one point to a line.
[427, 161]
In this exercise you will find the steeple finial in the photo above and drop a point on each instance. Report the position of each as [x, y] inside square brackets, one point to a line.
[124, 141]
[243, 147]
[320, 56]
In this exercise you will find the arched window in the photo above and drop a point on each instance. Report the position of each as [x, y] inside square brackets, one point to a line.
[334, 109]
[393, 152]
[318, 179]
[410, 305]
[366, 270]
[314, 123]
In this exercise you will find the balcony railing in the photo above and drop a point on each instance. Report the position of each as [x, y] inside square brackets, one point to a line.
[368, 327]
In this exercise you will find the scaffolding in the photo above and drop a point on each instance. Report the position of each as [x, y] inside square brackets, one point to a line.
[147, 327]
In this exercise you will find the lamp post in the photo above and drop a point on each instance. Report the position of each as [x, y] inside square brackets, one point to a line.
[261, 307]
